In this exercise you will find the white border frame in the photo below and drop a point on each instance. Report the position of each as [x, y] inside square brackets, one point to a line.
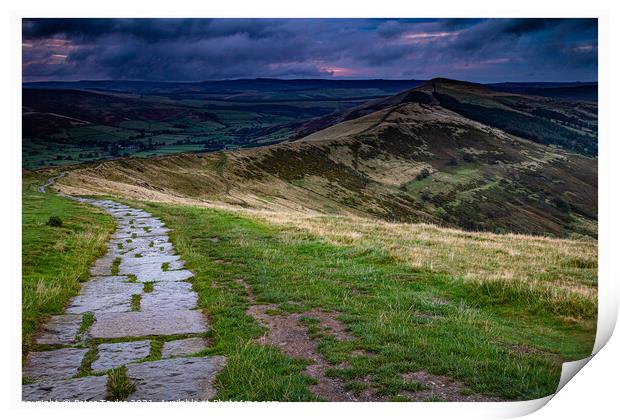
[11, 182]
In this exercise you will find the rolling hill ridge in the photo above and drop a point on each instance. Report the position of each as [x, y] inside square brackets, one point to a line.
[425, 155]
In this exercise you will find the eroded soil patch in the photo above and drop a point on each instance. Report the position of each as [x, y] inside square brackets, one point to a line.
[440, 388]
[288, 333]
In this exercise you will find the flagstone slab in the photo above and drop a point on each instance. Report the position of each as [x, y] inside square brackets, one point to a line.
[154, 272]
[176, 265]
[141, 324]
[129, 232]
[175, 275]
[149, 246]
[113, 355]
[103, 266]
[60, 330]
[104, 295]
[148, 251]
[88, 388]
[184, 347]
[128, 212]
[128, 263]
[181, 379]
[169, 296]
[140, 223]
[53, 364]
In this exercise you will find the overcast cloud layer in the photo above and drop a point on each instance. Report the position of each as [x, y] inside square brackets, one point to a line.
[483, 50]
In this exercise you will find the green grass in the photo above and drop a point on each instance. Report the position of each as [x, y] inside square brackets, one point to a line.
[88, 319]
[135, 302]
[115, 266]
[85, 368]
[409, 319]
[55, 259]
[119, 386]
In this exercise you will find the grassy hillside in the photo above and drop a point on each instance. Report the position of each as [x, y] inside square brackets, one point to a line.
[570, 124]
[55, 259]
[586, 91]
[410, 162]
[496, 313]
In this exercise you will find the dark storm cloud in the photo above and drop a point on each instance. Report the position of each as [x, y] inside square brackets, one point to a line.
[200, 49]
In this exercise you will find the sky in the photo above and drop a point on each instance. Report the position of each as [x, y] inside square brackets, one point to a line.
[479, 50]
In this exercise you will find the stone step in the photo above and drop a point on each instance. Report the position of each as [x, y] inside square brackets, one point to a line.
[112, 355]
[60, 330]
[181, 379]
[142, 324]
[184, 347]
[54, 364]
[87, 388]
[105, 294]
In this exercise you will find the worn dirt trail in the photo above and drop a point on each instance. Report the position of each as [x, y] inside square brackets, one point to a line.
[143, 307]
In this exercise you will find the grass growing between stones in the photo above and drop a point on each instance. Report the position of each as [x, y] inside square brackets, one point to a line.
[507, 344]
[135, 302]
[88, 319]
[156, 346]
[115, 266]
[55, 259]
[119, 386]
[88, 360]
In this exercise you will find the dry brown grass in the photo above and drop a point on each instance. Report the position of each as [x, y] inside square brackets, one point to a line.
[560, 271]
[472, 256]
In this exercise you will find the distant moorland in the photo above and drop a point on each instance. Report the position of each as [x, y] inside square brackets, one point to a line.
[70, 122]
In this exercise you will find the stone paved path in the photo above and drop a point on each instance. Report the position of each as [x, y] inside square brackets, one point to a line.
[139, 296]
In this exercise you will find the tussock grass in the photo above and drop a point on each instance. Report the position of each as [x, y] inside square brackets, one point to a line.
[119, 386]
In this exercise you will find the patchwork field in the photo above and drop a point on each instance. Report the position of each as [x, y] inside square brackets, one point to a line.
[75, 122]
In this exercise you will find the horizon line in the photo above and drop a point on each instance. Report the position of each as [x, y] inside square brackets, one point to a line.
[295, 79]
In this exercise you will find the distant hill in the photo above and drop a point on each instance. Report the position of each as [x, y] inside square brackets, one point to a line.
[576, 91]
[447, 152]
[79, 107]
[228, 86]
[572, 125]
